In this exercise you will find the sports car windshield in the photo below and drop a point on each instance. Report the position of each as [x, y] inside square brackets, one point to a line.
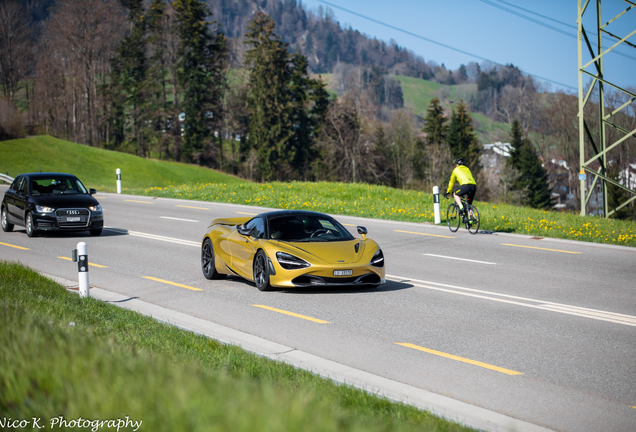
[57, 186]
[307, 228]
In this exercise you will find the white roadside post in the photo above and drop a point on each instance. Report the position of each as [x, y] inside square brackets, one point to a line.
[81, 256]
[438, 217]
[118, 180]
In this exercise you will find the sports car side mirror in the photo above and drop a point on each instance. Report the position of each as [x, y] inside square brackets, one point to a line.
[362, 231]
[92, 192]
[244, 231]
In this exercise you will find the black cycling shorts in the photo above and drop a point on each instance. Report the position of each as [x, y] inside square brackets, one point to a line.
[469, 190]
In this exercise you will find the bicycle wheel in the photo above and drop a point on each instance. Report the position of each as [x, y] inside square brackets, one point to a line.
[452, 217]
[473, 221]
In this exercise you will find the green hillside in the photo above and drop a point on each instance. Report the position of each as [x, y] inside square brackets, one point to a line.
[96, 167]
[418, 94]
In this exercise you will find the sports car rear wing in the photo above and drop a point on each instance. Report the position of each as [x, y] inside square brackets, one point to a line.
[230, 221]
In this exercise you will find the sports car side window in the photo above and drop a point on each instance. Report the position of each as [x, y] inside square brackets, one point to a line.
[257, 227]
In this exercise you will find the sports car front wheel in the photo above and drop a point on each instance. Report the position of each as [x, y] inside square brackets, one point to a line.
[261, 272]
[207, 261]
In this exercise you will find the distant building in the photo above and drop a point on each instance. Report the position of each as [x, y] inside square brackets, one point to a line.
[502, 149]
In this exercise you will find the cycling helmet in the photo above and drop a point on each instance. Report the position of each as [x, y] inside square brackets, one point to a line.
[459, 161]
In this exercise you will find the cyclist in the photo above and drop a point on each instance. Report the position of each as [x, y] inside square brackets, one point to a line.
[467, 186]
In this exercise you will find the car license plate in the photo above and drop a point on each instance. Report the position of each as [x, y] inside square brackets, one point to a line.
[342, 272]
[73, 219]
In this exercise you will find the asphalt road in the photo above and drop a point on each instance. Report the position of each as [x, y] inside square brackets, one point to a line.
[537, 329]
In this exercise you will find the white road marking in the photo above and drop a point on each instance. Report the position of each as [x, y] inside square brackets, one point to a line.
[612, 317]
[460, 259]
[157, 237]
[179, 219]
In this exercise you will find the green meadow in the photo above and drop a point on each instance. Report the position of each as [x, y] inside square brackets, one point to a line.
[96, 168]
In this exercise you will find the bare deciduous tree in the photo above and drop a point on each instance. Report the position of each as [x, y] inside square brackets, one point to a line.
[81, 33]
[15, 48]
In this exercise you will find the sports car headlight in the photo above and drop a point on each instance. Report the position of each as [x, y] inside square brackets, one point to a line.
[44, 209]
[378, 259]
[95, 208]
[290, 262]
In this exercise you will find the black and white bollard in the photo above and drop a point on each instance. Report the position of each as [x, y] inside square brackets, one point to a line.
[438, 217]
[118, 171]
[80, 256]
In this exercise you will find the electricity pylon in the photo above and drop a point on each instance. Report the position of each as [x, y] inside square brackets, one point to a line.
[598, 142]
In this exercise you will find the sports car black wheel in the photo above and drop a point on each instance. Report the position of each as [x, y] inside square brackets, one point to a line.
[6, 226]
[261, 272]
[30, 229]
[207, 261]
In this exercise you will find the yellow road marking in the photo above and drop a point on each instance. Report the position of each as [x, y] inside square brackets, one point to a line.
[14, 246]
[143, 202]
[461, 359]
[532, 247]
[90, 263]
[419, 233]
[198, 208]
[172, 283]
[348, 224]
[292, 314]
[251, 214]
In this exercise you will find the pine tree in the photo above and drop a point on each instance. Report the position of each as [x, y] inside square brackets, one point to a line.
[435, 123]
[128, 84]
[201, 73]
[286, 106]
[532, 176]
[616, 195]
[159, 106]
[271, 126]
[462, 140]
[309, 102]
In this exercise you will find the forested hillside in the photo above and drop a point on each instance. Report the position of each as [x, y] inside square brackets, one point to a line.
[244, 94]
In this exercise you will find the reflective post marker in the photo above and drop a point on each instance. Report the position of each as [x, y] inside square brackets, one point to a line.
[118, 180]
[82, 269]
[438, 217]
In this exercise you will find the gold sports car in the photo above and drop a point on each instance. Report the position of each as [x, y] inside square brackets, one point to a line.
[290, 249]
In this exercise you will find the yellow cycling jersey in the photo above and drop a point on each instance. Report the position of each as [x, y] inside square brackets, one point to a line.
[462, 175]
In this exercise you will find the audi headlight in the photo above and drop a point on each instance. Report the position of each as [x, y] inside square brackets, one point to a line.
[44, 209]
[378, 259]
[290, 262]
[95, 208]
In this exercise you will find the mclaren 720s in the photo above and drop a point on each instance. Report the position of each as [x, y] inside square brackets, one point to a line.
[291, 249]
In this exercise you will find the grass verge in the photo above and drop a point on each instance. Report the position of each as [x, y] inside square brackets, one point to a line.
[61, 355]
[380, 202]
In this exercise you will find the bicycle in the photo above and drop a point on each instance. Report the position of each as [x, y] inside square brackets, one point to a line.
[454, 219]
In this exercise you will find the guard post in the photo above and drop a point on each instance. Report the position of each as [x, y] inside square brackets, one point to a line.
[118, 171]
[438, 217]
[80, 256]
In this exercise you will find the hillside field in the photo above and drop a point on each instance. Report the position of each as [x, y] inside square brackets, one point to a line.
[96, 168]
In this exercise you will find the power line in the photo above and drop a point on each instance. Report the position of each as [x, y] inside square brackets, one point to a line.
[547, 25]
[436, 42]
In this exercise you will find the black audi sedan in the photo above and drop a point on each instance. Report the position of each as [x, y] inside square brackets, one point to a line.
[43, 202]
